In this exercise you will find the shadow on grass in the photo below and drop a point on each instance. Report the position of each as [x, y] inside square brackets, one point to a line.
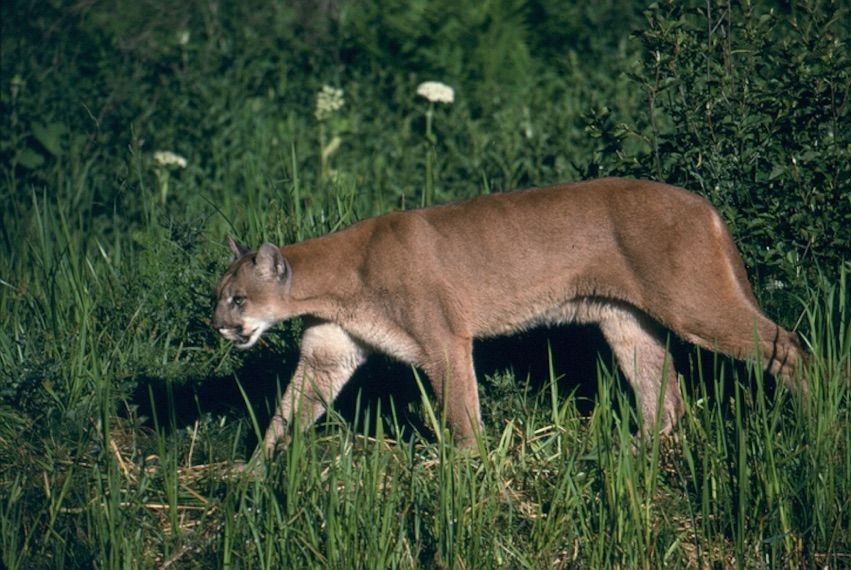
[385, 385]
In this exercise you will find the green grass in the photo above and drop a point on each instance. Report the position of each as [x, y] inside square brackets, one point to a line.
[122, 414]
[751, 480]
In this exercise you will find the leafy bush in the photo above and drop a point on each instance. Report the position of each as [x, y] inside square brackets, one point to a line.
[746, 104]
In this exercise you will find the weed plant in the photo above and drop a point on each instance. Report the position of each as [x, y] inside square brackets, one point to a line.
[122, 414]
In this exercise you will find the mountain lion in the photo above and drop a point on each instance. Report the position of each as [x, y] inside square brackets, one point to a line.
[636, 258]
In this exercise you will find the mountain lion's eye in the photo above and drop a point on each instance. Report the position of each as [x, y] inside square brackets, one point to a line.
[238, 300]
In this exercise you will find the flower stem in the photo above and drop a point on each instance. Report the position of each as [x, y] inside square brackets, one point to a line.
[428, 194]
[322, 162]
[162, 180]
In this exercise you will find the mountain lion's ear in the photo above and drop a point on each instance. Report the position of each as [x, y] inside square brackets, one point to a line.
[271, 264]
[237, 249]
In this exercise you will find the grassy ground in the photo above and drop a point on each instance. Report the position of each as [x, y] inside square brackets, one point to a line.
[122, 412]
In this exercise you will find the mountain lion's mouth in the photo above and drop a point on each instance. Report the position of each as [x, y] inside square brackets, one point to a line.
[234, 336]
[240, 339]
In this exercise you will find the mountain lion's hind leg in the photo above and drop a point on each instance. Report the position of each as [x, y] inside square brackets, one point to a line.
[639, 345]
[329, 357]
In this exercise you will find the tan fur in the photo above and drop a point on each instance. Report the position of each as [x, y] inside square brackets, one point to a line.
[634, 257]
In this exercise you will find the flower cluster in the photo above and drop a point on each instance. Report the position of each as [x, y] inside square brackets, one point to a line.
[168, 158]
[436, 92]
[328, 101]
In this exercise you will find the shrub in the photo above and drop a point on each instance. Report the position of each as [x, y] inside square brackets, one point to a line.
[748, 105]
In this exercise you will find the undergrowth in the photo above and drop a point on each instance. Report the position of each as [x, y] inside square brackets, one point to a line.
[123, 414]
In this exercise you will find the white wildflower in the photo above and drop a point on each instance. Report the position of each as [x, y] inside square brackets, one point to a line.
[436, 92]
[183, 37]
[168, 158]
[328, 101]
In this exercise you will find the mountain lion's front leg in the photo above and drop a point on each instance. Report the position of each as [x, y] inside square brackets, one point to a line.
[453, 379]
[329, 357]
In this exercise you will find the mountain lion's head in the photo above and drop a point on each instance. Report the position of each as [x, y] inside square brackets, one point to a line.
[250, 293]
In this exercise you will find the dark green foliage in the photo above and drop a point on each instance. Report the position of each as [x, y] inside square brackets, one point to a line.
[746, 105]
[111, 380]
